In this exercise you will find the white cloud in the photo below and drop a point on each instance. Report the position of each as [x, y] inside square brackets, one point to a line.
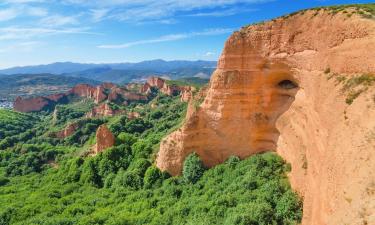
[146, 10]
[37, 11]
[209, 54]
[22, 1]
[17, 33]
[170, 37]
[8, 14]
[99, 14]
[222, 13]
[59, 20]
[18, 11]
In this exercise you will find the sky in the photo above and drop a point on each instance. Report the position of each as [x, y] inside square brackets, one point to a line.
[104, 31]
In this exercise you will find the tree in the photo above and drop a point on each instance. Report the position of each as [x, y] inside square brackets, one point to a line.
[193, 168]
[153, 177]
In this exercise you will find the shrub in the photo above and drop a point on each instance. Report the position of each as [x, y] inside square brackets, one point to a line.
[126, 138]
[3, 181]
[233, 160]
[287, 208]
[153, 177]
[128, 179]
[193, 168]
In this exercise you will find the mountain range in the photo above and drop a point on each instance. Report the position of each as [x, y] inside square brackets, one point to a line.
[121, 72]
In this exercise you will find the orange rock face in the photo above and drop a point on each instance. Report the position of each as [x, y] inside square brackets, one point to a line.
[87, 91]
[69, 130]
[104, 139]
[103, 110]
[30, 105]
[105, 91]
[270, 93]
[187, 93]
[156, 82]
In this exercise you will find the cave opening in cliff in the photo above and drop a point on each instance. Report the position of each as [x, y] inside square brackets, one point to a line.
[287, 84]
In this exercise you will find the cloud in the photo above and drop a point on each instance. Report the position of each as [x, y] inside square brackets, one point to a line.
[16, 33]
[37, 11]
[170, 37]
[150, 10]
[22, 1]
[59, 20]
[209, 54]
[99, 14]
[21, 11]
[8, 14]
[222, 13]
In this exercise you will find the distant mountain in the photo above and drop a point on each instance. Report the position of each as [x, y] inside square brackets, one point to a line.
[54, 68]
[121, 72]
[12, 86]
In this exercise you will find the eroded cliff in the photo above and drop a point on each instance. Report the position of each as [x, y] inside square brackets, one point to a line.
[300, 86]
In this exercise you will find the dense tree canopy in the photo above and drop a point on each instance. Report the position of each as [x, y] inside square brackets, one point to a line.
[46, 180]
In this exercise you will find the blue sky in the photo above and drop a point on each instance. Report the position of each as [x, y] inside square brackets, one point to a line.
[45, 31]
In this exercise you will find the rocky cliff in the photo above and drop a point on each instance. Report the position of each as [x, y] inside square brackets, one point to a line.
[122, 95]
[98, 94]
[299, 85]
[186, 92]
[104, 139]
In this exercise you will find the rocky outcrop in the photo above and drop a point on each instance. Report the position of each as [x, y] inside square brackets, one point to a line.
[187, 93]
[270, 92]
[88, 91]
[99, 94]
[133, 115]
[30, 105]
[103, 110]
[104, 139]
[155, 82]
[168, 89]
[36, 104]
[68, 131]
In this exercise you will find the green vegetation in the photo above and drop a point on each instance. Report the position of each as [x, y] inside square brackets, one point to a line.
[64, 113]
[353, 86]
[357, 85]
[189, 81]
[193, 168]
[364, 10]
[46, 180]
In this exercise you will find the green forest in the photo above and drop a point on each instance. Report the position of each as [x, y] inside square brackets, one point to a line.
[45, 180]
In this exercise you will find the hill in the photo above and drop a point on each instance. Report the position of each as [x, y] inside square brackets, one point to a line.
[12, 86]
[121, 72]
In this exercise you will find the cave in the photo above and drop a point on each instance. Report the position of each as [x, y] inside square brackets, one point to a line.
[287, 84]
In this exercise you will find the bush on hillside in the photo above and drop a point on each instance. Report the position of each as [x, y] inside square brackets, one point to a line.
[193, 168]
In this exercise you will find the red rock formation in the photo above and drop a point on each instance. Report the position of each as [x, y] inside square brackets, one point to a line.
[253, 105]
[103, 110]
[31, 104]
[133, 115]
[170, 89]
[108, 85]
[104, 139]
[105, 91]
[146, 88]
[88, 91]
[56, 97]
[156, 82]
[69, 130]
[187, 93]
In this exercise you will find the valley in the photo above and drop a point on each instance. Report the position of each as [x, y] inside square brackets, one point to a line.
[280, 130]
